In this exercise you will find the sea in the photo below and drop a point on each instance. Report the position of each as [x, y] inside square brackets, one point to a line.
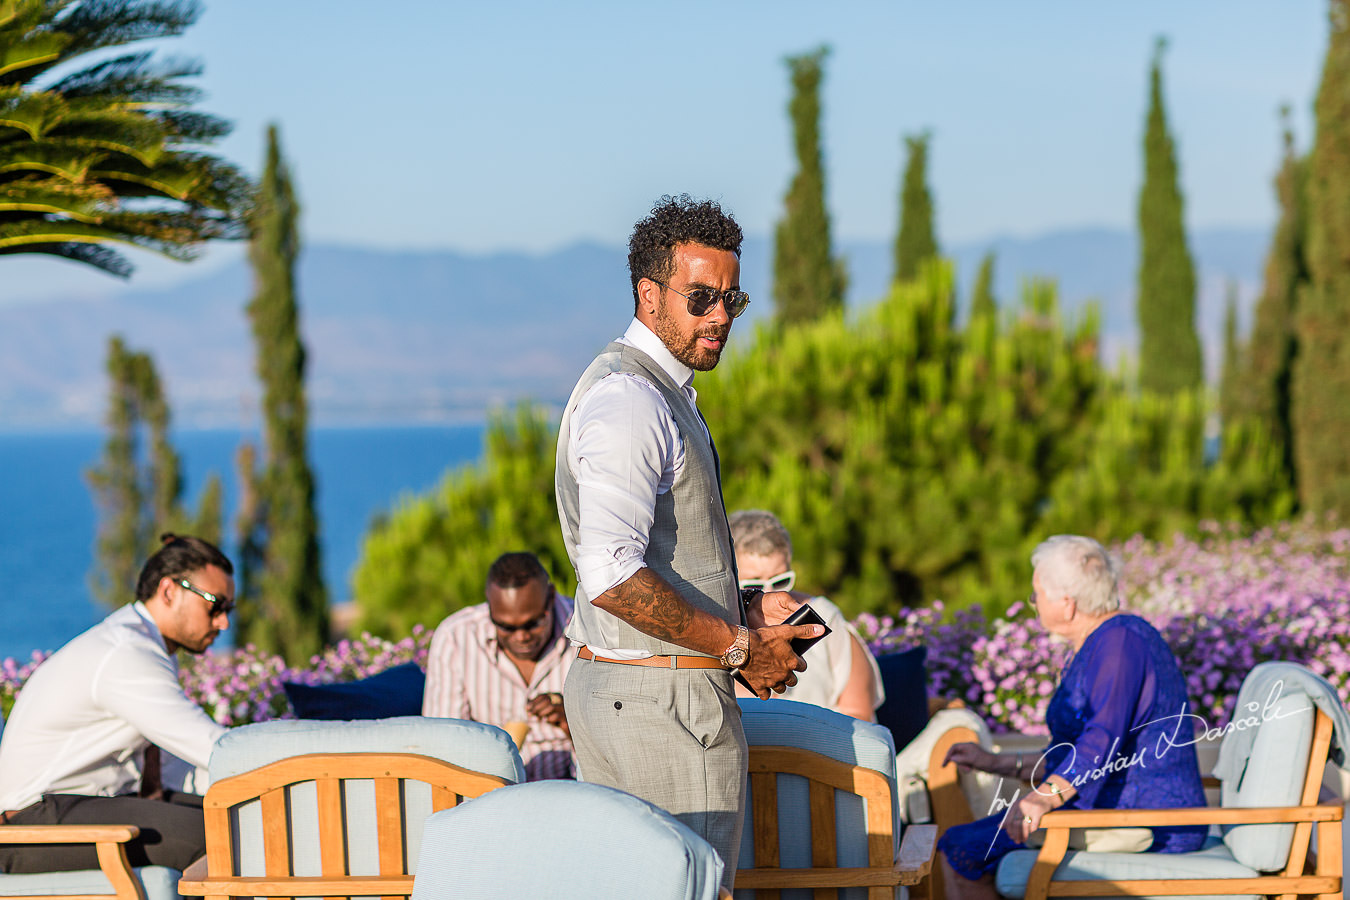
[48, 521]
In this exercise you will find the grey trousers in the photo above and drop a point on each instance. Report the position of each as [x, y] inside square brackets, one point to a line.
[670, 736]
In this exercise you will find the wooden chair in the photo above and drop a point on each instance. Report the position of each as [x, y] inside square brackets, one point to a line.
[1251, 859]
[114, 876]
[340, 822]
[110, 844]
[822, 809]
[946, 800]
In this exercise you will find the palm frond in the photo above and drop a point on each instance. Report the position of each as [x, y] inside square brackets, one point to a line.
[133, 77]
[94, 24]
[100, 256]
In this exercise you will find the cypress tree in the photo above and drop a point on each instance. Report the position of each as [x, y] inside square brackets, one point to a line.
[915, 241]
[139, 499]
[289, 604]
[807, 280]
[1231, 376]
[1169, 349]
[982, 302]
[116, 486]
[1321, 414]
[1273, 344]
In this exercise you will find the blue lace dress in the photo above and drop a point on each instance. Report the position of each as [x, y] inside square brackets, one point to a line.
[1118, 734]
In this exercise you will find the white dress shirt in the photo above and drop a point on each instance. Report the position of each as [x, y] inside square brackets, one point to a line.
[625, 450]
[84, 718]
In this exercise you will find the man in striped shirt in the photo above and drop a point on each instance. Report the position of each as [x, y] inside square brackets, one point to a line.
[504, 662]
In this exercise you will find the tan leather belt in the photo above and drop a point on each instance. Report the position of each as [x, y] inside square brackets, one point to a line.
[658, 662]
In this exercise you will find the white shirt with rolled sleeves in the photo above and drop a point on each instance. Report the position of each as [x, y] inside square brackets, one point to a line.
[84, 718]
[618, 481]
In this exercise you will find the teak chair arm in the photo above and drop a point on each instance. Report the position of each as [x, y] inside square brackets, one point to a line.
[109, 843]
[67, 834]
[1199, 815]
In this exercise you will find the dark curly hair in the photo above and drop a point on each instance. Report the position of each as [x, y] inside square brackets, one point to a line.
[677, 220]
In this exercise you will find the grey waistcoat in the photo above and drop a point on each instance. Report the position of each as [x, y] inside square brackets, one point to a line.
[690, 542]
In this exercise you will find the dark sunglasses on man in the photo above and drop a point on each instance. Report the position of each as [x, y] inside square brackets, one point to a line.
[524, 626]
[219, 605]
[702, 301]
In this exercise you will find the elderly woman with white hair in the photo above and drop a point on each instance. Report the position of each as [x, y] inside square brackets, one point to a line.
[1113, 722]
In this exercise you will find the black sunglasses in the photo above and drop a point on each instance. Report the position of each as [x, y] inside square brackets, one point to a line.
[526, 626]
[702, 301]
[219, 605]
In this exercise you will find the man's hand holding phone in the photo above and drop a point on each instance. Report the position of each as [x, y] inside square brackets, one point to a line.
[771, 667]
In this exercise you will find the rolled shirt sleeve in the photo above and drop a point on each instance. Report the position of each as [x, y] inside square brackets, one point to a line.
[627, 450]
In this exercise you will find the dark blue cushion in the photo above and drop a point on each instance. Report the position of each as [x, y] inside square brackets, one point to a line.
[905, 679]
[394, 692]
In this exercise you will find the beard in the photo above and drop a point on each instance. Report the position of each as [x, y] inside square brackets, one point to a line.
[687, 349]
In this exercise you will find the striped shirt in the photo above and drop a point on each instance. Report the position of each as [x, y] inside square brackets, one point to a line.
[470, 677]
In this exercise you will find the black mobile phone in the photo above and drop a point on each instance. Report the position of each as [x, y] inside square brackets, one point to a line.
[804, 615]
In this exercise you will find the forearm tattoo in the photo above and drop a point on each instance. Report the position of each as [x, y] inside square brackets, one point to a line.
[650, 605]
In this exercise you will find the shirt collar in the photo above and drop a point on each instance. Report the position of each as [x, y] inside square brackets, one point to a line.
[644, 339]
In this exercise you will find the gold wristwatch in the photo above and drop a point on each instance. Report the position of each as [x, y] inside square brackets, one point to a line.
[738, 654]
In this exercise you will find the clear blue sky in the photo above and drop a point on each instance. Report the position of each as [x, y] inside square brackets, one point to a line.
[531, 125]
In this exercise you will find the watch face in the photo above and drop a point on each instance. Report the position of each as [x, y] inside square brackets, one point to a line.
[736, 657]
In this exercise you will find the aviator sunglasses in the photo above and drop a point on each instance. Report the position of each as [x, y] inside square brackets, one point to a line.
[701, 301]
[219, 605]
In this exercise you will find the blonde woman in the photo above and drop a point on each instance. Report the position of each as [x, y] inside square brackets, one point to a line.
[841, 673]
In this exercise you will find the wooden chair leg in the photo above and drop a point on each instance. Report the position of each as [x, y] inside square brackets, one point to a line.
[1329, 860]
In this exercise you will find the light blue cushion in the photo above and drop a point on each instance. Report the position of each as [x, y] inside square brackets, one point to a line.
[1273, 776]
[563, 839]
[470, 745]
[160, 883]
[1211, 861]
[783, 723]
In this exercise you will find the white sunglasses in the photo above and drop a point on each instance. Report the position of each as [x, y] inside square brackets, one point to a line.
[782, 582]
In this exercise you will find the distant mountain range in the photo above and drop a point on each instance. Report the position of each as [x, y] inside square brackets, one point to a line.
[400, 337]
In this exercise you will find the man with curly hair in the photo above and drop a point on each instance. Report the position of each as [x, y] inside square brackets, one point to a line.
[660, 619]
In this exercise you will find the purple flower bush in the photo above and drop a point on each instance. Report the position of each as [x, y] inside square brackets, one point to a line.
[12, 676]
[244, 685]
[1223, 601]
[239, 686]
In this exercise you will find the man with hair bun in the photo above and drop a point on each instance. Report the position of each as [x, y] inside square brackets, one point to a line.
[82, 745]
[660, 620]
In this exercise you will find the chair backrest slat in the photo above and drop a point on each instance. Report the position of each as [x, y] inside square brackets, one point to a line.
[824, 848]
[331, 825]
[276, 833]
[764, 795]
[443, 798]
[389, 822]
